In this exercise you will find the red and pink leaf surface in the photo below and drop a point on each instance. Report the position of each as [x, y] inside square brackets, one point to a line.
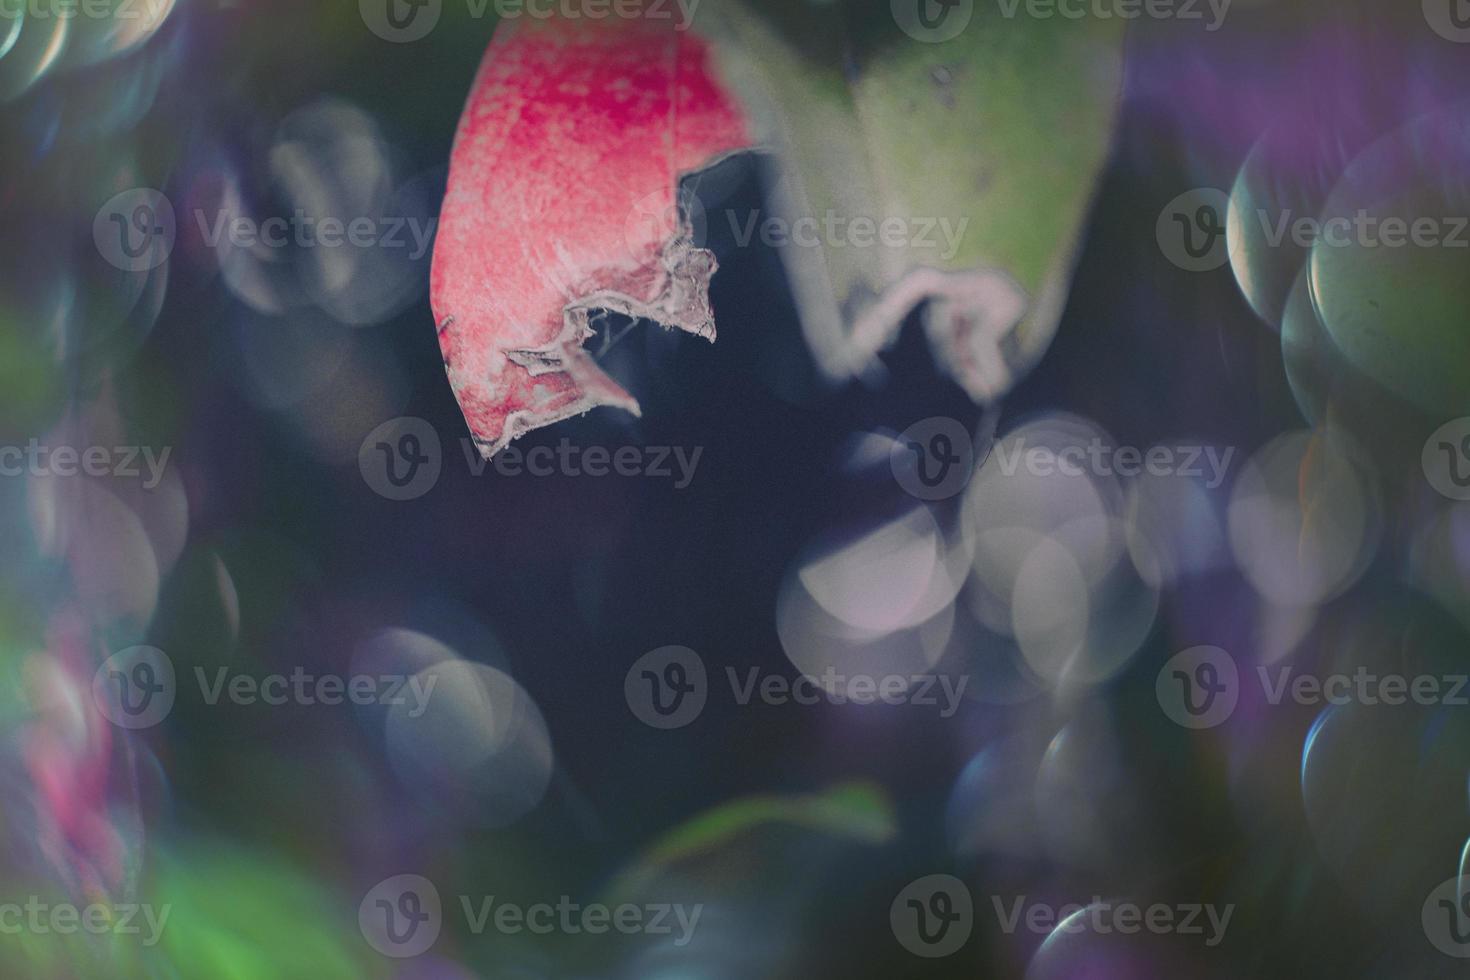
[562, 202]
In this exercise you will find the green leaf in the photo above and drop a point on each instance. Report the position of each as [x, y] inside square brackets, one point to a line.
[856, 813]
[984, 148]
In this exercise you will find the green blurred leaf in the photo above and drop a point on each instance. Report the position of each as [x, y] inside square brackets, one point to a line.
[987, 146]
[857, 813]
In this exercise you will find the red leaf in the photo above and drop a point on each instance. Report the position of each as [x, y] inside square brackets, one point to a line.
[562, 201]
